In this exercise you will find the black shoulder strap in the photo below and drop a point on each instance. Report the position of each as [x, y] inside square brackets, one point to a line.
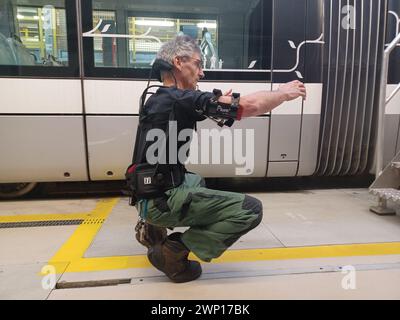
[137, 141]
[156, 119]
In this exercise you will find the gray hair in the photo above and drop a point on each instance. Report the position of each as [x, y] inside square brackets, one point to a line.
[180, 46]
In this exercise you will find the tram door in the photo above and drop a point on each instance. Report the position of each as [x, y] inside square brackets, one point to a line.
[297, 52]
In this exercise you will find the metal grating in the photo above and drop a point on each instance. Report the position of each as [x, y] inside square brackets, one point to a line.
[352, 63]
[36, 224]
[387, 194]
[93, 221]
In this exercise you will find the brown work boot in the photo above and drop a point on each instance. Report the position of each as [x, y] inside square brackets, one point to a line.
[171, 257]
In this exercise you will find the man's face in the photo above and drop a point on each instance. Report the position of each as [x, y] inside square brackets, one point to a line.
[191, 71]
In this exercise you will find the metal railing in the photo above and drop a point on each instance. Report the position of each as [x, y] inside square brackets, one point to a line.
[383, 103]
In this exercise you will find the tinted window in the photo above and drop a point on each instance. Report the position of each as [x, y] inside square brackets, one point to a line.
[233, 35]
[36, 35]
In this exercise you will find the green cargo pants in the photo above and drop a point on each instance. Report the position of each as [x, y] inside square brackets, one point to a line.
[216, 218]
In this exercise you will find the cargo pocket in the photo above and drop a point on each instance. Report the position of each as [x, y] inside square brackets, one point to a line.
[159, 213]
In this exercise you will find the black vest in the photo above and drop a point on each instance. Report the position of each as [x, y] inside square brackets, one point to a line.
[168, 104]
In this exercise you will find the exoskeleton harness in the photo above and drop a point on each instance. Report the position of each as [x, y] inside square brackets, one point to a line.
[147, 181]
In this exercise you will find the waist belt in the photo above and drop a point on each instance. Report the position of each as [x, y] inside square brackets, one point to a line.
[151, 181]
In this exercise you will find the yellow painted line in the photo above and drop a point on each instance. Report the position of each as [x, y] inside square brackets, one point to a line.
[108, 263]
[237, 256]
[334, 251]
[44, 217]
[79, 242]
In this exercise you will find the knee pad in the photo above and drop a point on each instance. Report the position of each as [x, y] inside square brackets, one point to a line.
[254, 205]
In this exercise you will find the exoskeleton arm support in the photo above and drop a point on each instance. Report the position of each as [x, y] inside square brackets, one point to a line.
[224, 114]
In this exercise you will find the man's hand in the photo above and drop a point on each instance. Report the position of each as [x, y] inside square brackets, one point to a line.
[293, 90]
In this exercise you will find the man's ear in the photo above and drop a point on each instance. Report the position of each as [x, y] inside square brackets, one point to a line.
[178, 63]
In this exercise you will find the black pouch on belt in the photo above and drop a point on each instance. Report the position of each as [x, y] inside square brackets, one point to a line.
[143, 180]
[150, 181]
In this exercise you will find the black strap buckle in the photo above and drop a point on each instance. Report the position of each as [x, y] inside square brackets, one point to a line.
[217, 94]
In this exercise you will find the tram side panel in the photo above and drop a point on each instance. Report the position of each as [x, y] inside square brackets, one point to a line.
[42, 149]
[111, 137]
[230, 152]
[41, 131]
[111, 140]
[247, 153]
[285, 138]
[112, 109]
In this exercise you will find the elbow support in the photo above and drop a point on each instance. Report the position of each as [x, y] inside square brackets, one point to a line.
[215, 109]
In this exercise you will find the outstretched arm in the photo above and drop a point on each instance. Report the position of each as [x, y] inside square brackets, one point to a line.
[262, 102]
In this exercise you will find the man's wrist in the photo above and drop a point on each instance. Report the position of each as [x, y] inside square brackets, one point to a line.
[283, 96]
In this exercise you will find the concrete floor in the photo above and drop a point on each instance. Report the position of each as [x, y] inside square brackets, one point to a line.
[297, 252]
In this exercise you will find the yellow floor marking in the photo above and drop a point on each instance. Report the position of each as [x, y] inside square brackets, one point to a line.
[333, 251]
[79, 242]
[108, 263]
[250, 255]
[73, 250]
[44, 217]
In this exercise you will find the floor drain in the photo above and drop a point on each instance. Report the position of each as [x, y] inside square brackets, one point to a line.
[92, 284]
[35, 224]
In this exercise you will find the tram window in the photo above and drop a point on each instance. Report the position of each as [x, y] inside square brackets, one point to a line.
[106, 21]
[143, 50]
[35, 34]
[233, 34]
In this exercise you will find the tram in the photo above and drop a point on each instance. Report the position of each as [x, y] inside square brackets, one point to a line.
[72, 72]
